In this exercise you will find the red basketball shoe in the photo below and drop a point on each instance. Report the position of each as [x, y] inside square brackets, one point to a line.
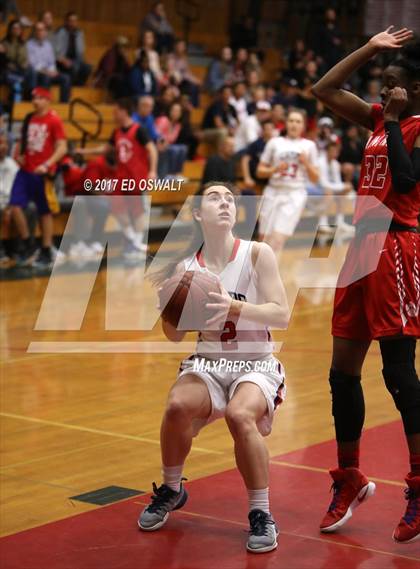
[408, 530]
[351, 488]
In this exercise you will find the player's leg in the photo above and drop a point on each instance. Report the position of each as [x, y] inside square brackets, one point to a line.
[351, 487]
[188, 400]
[247, 406]
[43, 194]
[19, 199]
[401, 380]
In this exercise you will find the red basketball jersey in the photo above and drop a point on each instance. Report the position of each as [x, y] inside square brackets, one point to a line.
[132, 157]
[375, 176]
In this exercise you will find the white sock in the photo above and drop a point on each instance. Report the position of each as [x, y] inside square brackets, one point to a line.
[339, 218]
[258, 500]
[140, 236]
[172, 476]
[129, 233]
[323, 220]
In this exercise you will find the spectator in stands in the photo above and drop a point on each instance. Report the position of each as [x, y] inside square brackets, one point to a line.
[168, 95]
[240, 64]
[252, 154]
[113, 69]
[69, 44]
[41, 58]
[254, 65]
[141, 78]
[325, 134]
[8, 171]
[42, 146]
[333, 187]
[220, 71]
[222, 165]
[255, 94]
[297, 58]
[253, 79]
[17, 73]
[144, 116]
[147, 43]
[47, 18]
[373, 94]
[220, 118]
[288, 95]
[251, 128]
[239, 101]
[351, 154]
[180, 72]
[173, 153]
[157, 22]
[307, 100]
[278, 116]
[327, 40]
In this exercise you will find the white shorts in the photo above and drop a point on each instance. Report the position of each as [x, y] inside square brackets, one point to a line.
[222, 386]
[281, 210]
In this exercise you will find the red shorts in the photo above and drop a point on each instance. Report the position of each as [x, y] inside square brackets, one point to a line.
[386, 301]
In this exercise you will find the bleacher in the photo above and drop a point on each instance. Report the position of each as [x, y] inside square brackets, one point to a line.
[99, 36]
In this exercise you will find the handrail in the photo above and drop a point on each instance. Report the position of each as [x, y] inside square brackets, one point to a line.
[86, 134]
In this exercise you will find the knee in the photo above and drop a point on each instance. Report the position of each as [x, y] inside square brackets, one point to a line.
[240, 421]
[399, 372]
[177, 410]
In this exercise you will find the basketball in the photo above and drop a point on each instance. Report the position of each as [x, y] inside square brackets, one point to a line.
[188, 298]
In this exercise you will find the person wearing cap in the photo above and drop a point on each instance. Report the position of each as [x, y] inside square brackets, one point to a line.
[251, 128]
[113, 69]
[325, 134]
[42, 145]
[41, 57]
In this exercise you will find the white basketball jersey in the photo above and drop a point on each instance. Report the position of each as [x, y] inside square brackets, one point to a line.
[241, 339]
[282, 149]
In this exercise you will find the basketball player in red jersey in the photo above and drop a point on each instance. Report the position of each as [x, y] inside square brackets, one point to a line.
[136, 160]
[383, 305]
[43, 144]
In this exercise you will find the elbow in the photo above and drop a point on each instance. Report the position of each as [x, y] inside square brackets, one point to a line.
[315, 90]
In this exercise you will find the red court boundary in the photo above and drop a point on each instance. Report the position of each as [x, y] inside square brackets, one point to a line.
[210, 532]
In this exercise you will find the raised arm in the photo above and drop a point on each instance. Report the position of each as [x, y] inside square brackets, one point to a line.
[329, 88]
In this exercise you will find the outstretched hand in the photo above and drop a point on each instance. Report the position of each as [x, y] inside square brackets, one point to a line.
[391, 40]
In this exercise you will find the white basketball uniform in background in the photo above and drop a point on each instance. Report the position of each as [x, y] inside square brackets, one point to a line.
[285, 195]
[238, 341]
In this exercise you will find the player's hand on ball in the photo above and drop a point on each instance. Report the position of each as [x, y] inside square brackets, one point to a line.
[221, 304]
[396, 103]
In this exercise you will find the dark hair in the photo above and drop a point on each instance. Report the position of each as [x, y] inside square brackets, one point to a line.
[126, 104]
[70, 14]
[9, 30]
[267, 121]
[197, 237]
[409, 60]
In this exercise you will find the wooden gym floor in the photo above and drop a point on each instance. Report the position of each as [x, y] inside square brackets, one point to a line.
[75, 423]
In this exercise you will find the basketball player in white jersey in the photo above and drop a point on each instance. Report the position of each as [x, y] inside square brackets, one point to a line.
[288, 162]
[251, 299]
